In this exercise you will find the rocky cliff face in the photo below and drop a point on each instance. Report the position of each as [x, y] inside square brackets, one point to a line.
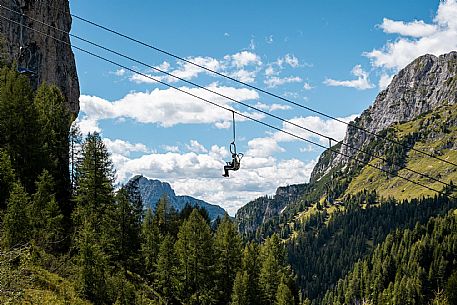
[256, 212]
[51, 61]
[152, 190]
[425, 84]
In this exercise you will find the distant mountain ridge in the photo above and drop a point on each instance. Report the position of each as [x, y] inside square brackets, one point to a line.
[152, 190]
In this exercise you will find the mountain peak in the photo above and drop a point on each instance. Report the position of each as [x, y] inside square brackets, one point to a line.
[152, 190]
[425, 84]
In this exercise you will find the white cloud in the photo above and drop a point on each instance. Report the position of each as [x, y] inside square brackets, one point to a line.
[272, 107]
[417, 38]
[166, 107]
[307, 86]
[330, 128]
[119, 72]
[385, 80]
[200, 175]
[279, 107]
[243, 59]
[170, 148]
[362, 82]
[416, 28]
[226, 34]
[263, 147]
[124, 148]
[244, 75]
[291, 60]
[196, 147]
[269, 39]
[278, 81]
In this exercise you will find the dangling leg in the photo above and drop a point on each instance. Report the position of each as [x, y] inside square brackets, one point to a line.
[226, 169]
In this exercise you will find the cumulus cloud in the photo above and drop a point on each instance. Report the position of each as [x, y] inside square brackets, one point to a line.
[263, 147]
[243, 59]
[362, 82]
[291, 60]
[119, 72]
[307, 86]
[124, 148]
[166, 107]
[417, 38]
[279, 81]
[416, 28]
[199, 174]
[170, 148]
[196, 147]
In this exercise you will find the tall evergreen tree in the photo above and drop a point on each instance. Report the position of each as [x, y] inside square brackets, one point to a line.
[194, 252]
[165, 272]
[121, 231]
[7, 178]
[273, 261]
[150, 242]
[240, 295]
[94, 189]
[44, 214]
[284, 295]
[92, 265]
[251, 265]
[227, 246]
[20, 133]
[54, 120]
[16, 225]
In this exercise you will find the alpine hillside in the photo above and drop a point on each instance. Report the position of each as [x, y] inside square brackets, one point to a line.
[418, 110]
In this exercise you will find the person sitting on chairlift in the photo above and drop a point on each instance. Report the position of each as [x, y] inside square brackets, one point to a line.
[234, 165]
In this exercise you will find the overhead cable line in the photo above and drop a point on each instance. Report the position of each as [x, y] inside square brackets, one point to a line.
[259, 89]
[231, 99]
[229, 109]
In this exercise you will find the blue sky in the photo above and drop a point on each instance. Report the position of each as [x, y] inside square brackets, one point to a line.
[333, 56]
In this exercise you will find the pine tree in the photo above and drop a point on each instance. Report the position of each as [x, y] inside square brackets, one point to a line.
[251, 265]
[44, 214]
[91, 264]
[272, 258]
[121, 231]
[194, 252]
[7, 178]
[150, 242]
[240, 295]
[16, 226]
[165, 273]
[227, 246]
[94, 190]
[20, 132]
[283, 295]
[166, 217]
[54, 120]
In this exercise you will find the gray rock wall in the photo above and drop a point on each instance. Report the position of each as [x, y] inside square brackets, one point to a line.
[425, 84]
[53, 62]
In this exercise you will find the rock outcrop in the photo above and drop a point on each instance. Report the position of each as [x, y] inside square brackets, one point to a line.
[425, 84]
[51, 61]
[255, 213]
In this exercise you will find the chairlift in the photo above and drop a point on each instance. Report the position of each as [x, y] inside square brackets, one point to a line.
[233, 165]
[25, 70]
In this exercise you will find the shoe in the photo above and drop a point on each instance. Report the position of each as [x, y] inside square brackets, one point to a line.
[224, 175]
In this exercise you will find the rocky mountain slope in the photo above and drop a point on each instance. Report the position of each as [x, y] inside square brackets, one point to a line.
[51, 61]
[425, 84]
[418, 109]
[152, 190]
